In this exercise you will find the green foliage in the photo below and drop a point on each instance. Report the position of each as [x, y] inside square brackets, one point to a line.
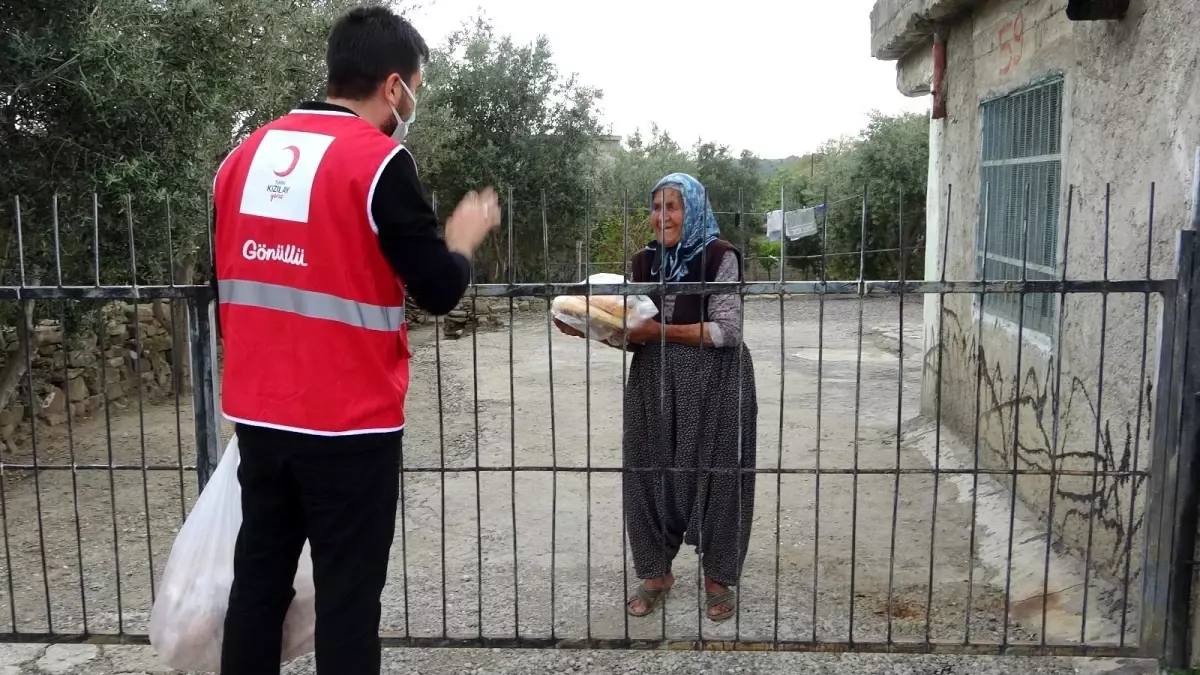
[139, 98]
[142, 98]
[494, 112]
[890, 159]
[631, 172]
[768, 253]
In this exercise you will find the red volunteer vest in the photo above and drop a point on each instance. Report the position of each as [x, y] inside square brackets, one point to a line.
[312, 314]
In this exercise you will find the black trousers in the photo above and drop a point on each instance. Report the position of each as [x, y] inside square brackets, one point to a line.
[340, 493]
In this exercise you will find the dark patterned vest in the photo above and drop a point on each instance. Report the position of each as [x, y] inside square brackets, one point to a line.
[688, 309]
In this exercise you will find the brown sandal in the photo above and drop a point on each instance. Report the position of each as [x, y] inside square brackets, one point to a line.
[727, 597]
[650, 599]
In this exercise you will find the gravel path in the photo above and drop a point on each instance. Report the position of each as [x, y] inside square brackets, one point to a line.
[25, 659]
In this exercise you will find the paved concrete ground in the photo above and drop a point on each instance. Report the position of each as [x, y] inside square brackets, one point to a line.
[92, 660]
[569, 554]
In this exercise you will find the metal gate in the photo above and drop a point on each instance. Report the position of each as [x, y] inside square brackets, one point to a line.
[973, 511]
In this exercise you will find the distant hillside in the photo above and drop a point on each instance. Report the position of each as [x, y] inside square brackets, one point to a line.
[766, 167]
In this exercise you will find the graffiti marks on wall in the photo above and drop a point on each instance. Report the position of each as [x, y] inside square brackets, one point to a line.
[1072, 446]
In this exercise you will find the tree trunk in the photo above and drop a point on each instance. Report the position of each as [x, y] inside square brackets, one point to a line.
[18, 361]
[172, 315]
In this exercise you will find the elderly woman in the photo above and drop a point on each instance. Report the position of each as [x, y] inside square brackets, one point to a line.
[706, 418]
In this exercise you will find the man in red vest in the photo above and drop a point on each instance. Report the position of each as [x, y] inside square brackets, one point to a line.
[323, 231]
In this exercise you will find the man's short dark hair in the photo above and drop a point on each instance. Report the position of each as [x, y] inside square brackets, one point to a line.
[365, 46]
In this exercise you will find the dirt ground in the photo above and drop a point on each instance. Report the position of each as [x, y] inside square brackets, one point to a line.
[457, 558]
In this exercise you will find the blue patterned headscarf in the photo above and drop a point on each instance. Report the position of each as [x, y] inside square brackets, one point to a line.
[699, 227]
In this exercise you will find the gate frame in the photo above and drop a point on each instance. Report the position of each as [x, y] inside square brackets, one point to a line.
[1168, 581]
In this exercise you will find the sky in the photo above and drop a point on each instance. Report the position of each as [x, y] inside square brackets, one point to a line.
[776, 78]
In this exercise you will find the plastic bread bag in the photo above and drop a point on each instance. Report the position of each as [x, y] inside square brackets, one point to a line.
[603, 317]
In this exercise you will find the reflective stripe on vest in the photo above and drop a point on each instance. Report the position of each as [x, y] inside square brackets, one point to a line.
[310, 304]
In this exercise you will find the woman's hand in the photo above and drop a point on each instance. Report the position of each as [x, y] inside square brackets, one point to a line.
[644, 333]
[567, 330]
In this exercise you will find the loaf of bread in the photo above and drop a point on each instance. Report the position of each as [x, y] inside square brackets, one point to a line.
[605, 311]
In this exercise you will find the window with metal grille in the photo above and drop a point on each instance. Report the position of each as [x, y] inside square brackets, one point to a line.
[1020, 188]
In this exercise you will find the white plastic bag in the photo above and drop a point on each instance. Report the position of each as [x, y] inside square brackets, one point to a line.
[188, 619]
[638, 310]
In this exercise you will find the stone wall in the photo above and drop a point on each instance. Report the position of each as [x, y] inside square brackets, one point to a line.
[483, 312]
[81, 370]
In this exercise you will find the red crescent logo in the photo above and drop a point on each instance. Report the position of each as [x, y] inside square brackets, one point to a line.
[292, 164]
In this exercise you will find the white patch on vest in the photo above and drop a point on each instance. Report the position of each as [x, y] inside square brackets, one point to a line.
[279, 183]
[284, 253]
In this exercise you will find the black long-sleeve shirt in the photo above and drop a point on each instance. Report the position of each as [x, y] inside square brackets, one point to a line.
[434, 276]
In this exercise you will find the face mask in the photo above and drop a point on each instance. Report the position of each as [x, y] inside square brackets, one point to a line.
[402, 125]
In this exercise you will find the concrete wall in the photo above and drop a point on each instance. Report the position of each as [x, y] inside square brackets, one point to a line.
[1131, 117]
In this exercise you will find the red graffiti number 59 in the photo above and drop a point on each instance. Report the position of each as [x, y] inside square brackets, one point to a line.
[1012, 38]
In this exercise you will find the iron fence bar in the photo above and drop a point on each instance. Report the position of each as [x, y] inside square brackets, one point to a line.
[1055, 421]
[512, 422]
[706, 480]
[404, 547]
[210, 229]
[862, 275]
[837, 254]
[441, 418]
[737, 610]
[662, 396]
[1158, 633]
[899, 418]
[437, 346]
[204, 410]
[397, 641]
[112, 481]
[95, 238]
[66, 362]
[1016, 444]
[138, 361]
[106, 292]
[8, 567]
[30, 346]
[12, 598]
[101, 342]
[868, 288]
[587, 424]
[782, 409]
[820, 405]
[937, 432]
[624, 386]
[177, 372]
[1187, 487]
[979, 367]
[1087, 572]
[478, 488]
[28, 467]
[74, 473]
[554, 434]
[58, 275]
[1137, 434]
[1186, 495]
[799, 471]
